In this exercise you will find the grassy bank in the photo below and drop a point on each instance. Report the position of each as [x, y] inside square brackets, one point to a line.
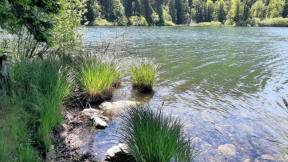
[37, 89]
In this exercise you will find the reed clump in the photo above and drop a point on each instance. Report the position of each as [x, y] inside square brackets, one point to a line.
[143, 76]
[151, 136]
[97, 78]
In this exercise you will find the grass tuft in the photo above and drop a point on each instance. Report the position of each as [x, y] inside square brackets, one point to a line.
[151, 136]
[143, 76]
[97, 78]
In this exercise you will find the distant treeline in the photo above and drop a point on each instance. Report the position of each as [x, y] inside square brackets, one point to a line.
[170, 12]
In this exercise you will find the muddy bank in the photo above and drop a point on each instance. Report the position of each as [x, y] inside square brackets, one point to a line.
[73, 140]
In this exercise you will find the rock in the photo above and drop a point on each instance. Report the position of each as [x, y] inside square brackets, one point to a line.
[227, 149]
[92, 114]
[267, 157]
[116, 149]
[111, 108]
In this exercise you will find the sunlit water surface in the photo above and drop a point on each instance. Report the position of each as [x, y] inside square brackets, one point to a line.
[226, 84]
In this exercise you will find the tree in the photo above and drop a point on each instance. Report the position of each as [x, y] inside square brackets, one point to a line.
[210, 10]
[93, 11]
[285, 9]
[118, 13]
[236, 11]
[197, 11]
[220, 11]
[275, 8]
[35, 16]
[258, 10]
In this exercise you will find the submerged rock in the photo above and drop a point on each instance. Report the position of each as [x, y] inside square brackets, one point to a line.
[227, 149]
[92, 114]
[111, 108]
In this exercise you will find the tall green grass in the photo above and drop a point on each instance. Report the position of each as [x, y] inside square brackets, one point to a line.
[15, 143]
[97, 78]
[41, 86]
[151, 136]
[143, 76]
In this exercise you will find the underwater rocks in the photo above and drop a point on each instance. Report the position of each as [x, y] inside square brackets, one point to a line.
[111, 108]
[228, 150]
[72, 141]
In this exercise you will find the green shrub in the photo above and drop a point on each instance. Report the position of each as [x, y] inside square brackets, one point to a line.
[138, 21]
[169, 23]
[97, 78]
[277, 22]
[143, 76]
[212, 23]
[102, 22]
[151, 136]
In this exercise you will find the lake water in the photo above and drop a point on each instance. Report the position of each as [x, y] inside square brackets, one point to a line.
[226, 84]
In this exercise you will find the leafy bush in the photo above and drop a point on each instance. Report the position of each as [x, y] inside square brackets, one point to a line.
[143, 76]
[102, 22]
[97, 78]
[150, 136]
[169, 23]
[280, 22]
[212, 23]
[138, 21]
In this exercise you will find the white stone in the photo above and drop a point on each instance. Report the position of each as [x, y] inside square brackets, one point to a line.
[267, 157]
[93, 114]
[227, 149]
[115, 149]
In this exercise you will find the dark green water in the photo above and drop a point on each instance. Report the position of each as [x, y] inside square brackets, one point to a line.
[227, 85]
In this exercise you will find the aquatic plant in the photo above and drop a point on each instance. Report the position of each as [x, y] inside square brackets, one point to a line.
[97, 78]
[143, 76]
[151, 136]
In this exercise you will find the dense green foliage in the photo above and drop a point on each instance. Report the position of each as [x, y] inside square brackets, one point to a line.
[169, 12]
[37, 89]
[151, 136]
[143, 76]
[36, 16]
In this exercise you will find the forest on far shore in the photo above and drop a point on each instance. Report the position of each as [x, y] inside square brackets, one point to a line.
[173, 12]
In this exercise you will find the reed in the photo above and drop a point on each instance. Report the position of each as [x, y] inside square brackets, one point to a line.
[143, 77]
[97, 78]
[151, 136]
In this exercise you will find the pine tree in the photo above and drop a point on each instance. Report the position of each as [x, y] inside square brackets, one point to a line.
[285, 9]
[210, 10]
[220, 11]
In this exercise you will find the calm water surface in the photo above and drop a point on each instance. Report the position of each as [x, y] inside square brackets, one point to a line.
[227, 85]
